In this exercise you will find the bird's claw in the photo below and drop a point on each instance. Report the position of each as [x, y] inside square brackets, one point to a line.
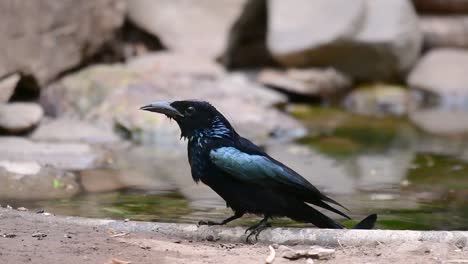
[255, 230]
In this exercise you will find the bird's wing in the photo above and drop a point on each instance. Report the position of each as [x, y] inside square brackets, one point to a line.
[265, 171]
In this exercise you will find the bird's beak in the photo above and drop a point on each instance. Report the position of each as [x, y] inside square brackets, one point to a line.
[162, 107]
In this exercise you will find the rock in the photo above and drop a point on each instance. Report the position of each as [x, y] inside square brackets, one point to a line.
[19, 117]
[315, 252]
[112, 95]
[256, 118]
[159, 168]
[441, 121]
[442, 71]
[7, 87]
[198, 28]
[72, 130]
[170, 63]
[442, 6]
[68, 156]
[31, 181]
[75, 95]
[95, 181]
[378, 99]
[246, 44]
[440, 75]
[308, 82]
[371, 40]
[445, 31]
[67, 32]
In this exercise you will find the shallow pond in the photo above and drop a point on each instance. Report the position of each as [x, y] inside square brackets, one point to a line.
[372, 165]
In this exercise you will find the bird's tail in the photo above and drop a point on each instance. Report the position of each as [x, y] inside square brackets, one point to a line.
[309, 214]
[367, 223]
[305, 213]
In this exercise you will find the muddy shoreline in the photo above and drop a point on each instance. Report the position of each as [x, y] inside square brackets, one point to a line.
[27, 237]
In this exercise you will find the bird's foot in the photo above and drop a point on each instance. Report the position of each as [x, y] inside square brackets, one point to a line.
[256, 230]
[208, 223]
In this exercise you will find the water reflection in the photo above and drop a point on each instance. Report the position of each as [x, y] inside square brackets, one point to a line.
[385, 165]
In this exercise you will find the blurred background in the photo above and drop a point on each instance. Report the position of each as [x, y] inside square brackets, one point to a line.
[367, 99]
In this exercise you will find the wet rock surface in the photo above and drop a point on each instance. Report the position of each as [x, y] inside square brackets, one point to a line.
[69, 156]
[73, 130]
[378, 99]
[19, 117]
[446, 112]
[29, 180]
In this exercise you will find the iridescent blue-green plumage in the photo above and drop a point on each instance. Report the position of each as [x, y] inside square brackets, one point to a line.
[247, 178]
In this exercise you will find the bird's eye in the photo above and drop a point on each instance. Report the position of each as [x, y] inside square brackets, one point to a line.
[190, 110]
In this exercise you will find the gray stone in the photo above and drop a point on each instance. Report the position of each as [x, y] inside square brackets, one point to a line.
[199, 27]
[170, 63]
[445, 31]
[65, 34]
[73, 130]
[246, 43]
[113, 94]
[7, 87]
[378, 99]
[257, 118]
[368, 39]
[442, 71]
[308, 82]
[441, 121]
[76, 94]
[439, 101]
[19, 117]
[68, 156]
[28, 180]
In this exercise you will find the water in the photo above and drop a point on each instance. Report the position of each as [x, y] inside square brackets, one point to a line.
[385, 165]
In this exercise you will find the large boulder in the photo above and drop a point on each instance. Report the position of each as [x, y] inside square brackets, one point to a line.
[199, 27]
[19, 117]
[46, 37]
[113, 95]
[441, 74]
[367, 39]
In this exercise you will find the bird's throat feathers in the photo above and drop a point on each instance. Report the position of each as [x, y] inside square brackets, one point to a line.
[219, 128]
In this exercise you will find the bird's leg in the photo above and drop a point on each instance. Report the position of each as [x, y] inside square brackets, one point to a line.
[225, 221]
[257, 228]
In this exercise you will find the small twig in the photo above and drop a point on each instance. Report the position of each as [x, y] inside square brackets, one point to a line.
[120, 235]
[272, 255]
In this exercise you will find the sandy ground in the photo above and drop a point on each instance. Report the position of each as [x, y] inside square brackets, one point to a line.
[44, 240]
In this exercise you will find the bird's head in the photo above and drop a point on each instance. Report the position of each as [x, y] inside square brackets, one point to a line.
[195, 118]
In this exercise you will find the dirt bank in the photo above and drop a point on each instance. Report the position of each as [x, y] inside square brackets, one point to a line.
[26, 237]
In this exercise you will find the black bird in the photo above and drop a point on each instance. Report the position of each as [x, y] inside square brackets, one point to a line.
[247, 178]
